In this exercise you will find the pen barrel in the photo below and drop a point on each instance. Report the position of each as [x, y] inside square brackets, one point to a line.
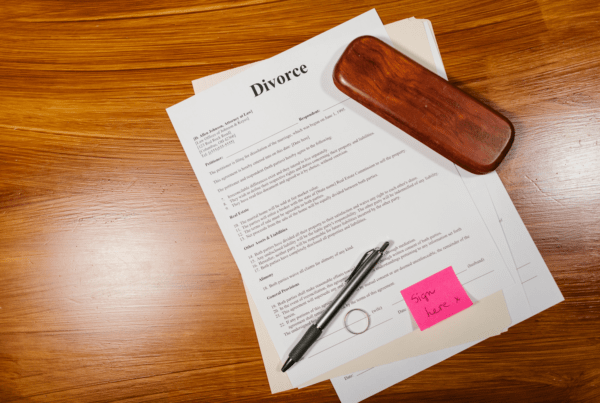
[311, 335]
[347, 291]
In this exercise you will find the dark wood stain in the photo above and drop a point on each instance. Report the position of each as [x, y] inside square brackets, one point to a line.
[427, 107]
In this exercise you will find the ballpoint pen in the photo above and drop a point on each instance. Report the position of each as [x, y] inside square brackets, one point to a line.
[360, 272]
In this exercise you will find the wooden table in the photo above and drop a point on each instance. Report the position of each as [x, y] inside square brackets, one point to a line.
[115, 281]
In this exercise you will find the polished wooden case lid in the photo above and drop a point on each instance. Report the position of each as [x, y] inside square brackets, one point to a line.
[424, 105]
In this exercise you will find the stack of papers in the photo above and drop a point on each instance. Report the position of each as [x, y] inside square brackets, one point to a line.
[303, 180]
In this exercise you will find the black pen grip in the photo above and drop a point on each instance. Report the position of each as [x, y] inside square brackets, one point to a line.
[311, 335]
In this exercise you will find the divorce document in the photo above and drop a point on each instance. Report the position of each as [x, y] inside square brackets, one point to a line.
[303, 181]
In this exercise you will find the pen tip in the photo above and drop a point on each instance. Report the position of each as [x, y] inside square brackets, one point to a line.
[287, 364]
[384, 247]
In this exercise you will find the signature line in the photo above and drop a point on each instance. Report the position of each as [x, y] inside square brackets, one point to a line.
[261, 140]
[340, 329]
[349, 338]
[478, 277]
[365, 371]
[336, 104]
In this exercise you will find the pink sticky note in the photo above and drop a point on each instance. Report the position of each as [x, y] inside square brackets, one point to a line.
[436, 298]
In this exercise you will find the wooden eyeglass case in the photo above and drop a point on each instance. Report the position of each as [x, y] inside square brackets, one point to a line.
[424, 105]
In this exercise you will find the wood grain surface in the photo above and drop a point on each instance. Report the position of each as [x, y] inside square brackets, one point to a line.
[115, 281]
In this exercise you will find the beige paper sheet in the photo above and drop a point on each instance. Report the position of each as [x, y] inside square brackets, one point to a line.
[484, 319]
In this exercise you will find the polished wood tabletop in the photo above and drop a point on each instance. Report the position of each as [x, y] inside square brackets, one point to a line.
[116, 283]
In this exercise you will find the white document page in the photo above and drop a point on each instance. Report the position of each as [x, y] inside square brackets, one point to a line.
[534, 292]
[360, 385]
[406, 36]
[303, 181]
[534, 277]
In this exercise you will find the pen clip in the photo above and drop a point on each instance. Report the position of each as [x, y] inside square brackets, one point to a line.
[360, 264]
